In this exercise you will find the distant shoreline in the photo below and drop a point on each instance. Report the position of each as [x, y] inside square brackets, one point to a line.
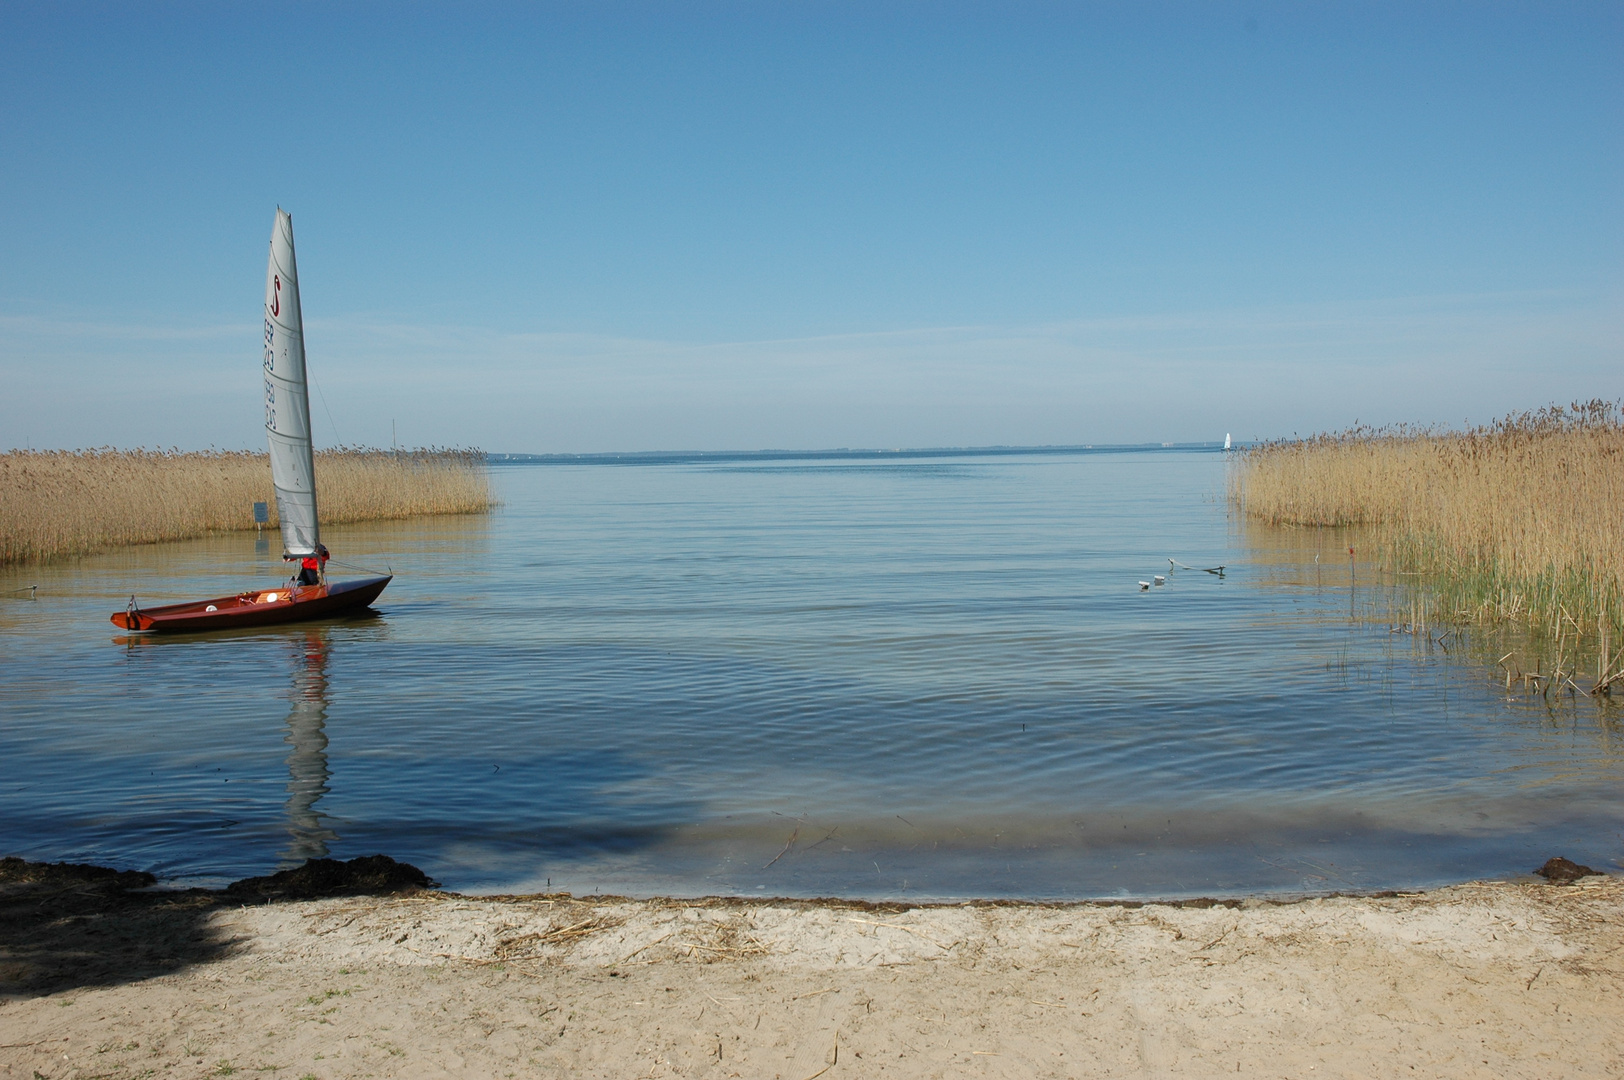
[685, 457]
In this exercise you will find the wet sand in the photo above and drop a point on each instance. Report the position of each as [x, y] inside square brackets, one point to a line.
[1487, 979]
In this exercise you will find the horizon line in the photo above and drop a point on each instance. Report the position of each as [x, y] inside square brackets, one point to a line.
[633, 457]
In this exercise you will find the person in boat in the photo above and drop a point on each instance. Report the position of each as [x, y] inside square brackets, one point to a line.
[313, 567]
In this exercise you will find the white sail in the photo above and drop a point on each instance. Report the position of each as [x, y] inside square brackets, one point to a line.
[287, 397]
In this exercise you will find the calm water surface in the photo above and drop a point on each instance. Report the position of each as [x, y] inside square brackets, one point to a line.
[879, 678]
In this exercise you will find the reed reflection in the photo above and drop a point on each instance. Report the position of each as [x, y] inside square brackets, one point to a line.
[307, 763]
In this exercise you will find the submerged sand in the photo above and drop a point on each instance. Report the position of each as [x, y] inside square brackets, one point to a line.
[1487, 979]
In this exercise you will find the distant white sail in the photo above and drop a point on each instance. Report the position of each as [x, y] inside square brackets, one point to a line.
[1226, 440]
[287, 396]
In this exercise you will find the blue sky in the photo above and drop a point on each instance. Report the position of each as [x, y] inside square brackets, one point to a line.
[597, 226]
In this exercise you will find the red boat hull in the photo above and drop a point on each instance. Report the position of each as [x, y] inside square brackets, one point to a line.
[262, 608]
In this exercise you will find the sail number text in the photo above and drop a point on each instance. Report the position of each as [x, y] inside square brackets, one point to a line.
[270, 365]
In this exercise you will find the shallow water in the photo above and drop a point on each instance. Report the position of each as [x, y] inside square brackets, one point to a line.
[878, 678]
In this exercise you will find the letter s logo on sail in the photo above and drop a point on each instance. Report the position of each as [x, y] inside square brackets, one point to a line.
[276, 294]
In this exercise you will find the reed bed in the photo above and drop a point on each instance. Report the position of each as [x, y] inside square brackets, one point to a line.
[58, 504]
[1518, 521]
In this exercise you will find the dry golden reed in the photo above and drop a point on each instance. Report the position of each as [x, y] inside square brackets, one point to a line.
[1519, 520]
[55, 504]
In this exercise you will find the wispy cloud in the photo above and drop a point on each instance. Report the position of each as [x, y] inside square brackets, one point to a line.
[104, 330]
[1176, 374]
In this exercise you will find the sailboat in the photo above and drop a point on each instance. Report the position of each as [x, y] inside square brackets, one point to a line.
[293, 473]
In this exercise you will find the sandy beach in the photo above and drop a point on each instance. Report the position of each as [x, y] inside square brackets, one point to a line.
[1499, 979]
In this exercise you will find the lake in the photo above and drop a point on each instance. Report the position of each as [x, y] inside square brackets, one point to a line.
[881, 677]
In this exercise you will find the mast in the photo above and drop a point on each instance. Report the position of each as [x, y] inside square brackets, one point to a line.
[287, 397]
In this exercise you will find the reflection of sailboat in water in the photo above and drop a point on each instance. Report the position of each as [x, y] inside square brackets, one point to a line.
[307, 764]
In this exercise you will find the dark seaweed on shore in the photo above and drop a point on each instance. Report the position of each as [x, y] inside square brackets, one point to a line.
[369, 875]
[67, 925]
